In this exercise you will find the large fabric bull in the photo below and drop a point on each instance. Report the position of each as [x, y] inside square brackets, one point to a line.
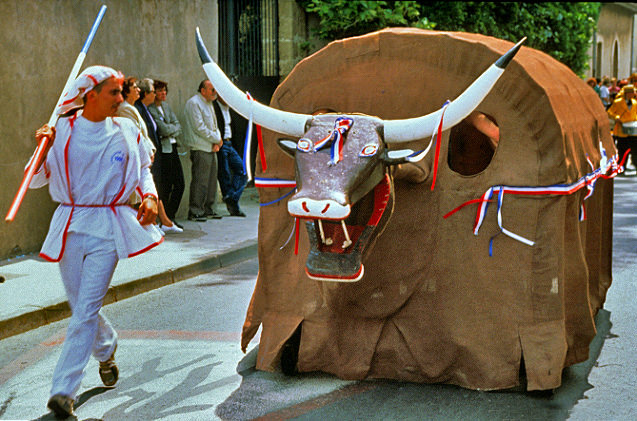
[379, 159]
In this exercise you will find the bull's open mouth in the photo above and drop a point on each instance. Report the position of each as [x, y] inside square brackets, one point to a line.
[337, 247]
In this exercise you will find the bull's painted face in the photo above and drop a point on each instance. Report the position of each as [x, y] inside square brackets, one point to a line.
[344, 195]
[343, 192]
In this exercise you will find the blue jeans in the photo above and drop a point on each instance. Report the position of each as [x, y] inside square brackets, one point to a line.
[232, 178]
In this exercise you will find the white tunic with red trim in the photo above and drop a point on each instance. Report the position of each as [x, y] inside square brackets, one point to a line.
[92, 169]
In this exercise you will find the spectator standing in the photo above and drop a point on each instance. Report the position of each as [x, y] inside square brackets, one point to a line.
[172, 175]
[204, 140]
[624, 110]
[598, 84]
[604, 93]
[146, 98]
[613, 89]
[93, 166]
[232, 177]
[130, 92]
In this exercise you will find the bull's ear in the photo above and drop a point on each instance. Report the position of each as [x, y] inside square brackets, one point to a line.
[397, 156]
[288, 146]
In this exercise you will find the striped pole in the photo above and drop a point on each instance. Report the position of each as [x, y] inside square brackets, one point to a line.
[38, 155]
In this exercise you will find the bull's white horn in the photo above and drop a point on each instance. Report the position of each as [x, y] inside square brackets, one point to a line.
[290, 124]
[407, 130]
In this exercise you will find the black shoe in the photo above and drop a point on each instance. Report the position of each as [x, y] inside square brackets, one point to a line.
[198, 218]
[178, 224]
[238, 213]
[234, 209]
[212, 215]
[62, 406]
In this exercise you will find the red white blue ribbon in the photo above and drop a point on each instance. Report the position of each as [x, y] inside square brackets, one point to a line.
[280, 183]
[438, 135]
[435, 140]
[276, 183]
[336, 136]
[608, 168]
[273, 182]
[247, 146]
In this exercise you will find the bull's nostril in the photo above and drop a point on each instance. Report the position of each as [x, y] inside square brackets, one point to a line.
[304, 205]
[326, 208]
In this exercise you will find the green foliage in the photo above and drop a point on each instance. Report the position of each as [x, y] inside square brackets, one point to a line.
[343, 18]
[563, 30]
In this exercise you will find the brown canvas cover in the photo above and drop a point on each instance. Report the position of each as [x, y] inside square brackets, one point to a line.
[433, 306]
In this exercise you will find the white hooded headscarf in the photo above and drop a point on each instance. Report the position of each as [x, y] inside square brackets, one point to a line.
[85, 82]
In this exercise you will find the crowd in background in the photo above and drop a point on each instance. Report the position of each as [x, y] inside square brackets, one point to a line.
[618, 98]
[206, 133]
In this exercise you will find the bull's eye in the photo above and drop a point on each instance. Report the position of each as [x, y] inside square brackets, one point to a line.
[304, 145]
[369, 150]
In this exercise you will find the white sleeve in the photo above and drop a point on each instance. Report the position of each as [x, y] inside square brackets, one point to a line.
[146, 183]
[41, 176]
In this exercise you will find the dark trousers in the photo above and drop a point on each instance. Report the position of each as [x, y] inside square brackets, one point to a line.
[625, 143]
[232, 177]
[203, 186]
[171, 186]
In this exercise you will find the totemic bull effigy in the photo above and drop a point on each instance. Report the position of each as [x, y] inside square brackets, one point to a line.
[463, 241]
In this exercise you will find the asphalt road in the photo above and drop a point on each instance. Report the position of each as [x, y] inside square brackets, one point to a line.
[179, 358]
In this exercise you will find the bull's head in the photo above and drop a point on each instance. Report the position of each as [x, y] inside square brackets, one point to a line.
[343, 187]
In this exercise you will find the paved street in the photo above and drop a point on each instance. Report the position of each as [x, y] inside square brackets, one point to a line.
[180, 360]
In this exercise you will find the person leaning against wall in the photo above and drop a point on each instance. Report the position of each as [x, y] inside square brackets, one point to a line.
[146, 98]
[172, 175]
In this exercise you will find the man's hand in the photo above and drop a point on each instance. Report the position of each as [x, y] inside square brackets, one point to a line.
[47, 131]
[216, 147]
[147, 212]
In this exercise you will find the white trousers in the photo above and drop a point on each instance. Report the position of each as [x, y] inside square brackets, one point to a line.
[87, 268]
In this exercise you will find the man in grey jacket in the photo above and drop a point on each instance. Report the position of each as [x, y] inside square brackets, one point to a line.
[203, 137]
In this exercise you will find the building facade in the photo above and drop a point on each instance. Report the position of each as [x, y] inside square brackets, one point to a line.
[612, 51]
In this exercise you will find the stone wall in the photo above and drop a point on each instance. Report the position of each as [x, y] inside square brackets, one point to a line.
[296, 39]
[40, 43]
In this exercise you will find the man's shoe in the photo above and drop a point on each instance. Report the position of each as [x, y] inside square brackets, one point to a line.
[234, 209]
[62, 406]
[213, 215]
[178, 224]
[109, 373]
[237, 212]
[198, 218]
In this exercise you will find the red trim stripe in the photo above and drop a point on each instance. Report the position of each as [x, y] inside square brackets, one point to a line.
[145, 249]
[264, 165]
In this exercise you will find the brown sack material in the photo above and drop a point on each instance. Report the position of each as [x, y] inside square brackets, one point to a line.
[433, 306]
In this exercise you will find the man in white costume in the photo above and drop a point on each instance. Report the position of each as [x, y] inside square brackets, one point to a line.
[95, 163]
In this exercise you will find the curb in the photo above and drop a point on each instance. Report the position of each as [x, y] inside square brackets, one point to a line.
[55, 312]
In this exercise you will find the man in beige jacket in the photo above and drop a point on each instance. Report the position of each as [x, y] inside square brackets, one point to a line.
[203, 137]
